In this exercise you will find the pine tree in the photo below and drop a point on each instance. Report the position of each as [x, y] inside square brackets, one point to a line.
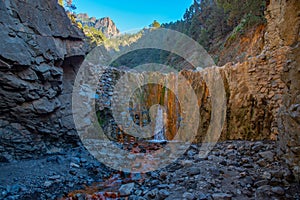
[155, 24]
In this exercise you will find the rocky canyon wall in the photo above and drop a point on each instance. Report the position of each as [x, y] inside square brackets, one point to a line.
[283, 33]
[40, 51]
[263, 90]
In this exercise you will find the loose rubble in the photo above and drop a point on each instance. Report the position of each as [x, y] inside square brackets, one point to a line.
[230, 171]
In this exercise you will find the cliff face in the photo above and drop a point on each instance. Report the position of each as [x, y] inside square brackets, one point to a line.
[264, 89]
[105, 25]
[39, 53]
[238, 50]
[283, 32]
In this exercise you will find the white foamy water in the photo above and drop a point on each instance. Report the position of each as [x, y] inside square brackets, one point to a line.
[159, 125]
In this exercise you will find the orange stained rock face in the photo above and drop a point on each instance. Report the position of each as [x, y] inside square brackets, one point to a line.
[169, 93]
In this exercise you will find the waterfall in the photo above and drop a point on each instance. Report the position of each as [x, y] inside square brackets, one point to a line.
[159, 125]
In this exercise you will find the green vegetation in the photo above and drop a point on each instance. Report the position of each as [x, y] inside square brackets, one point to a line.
[123, 40]
[95, 36]
[155, 24]
[243, 9]
[68, 4]
[101, 119]
[212, 23]
[61, 2]
[208, 21]
[70, 8]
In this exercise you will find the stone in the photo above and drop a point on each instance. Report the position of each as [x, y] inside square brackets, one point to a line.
[222, 196]
[74, 165]
[263, 192]
[267, 175]
[194, 171]
[202, 196]
[131, 157]
[257, 146]
[163, 186]
[42, 69]
[3, 194]
[187, 163]
[56, 71]
[248, 180]
[45, 106]
[261, 183]
[188, 196]
[163, 175]
[154, 182]
[278, 190]
[22, 56]
[267, 155]
[163, 194]
[262, 162]
[28, 75]
[12, 82]
[15, 189]
[152, 194]
[72, 172]
[47, 184]
[275, 181]
[54, 177]
[223, 162]
[215, 171]
[127, 189]
[136, 197]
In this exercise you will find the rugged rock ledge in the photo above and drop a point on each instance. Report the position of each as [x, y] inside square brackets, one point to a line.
[40, 52]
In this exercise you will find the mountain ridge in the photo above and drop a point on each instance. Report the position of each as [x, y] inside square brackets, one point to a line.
[105, 24]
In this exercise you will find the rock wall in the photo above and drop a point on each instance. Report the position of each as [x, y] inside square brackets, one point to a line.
[264, 91]
[289, 114]
[253, 88]
[283, 32]
[39, 53]
[170, 92]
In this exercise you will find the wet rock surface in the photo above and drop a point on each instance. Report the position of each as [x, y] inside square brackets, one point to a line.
[230, 171]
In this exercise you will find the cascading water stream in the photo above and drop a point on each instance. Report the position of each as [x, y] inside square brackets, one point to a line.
[159, 125]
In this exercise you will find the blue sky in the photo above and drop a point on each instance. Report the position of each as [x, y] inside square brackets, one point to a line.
[134, 14]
